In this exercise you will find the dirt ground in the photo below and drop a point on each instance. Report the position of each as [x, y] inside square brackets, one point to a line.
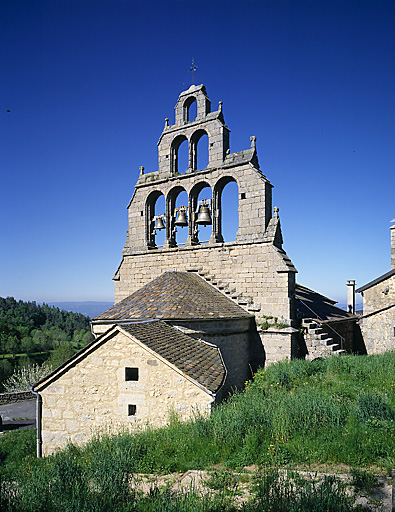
[377, 499]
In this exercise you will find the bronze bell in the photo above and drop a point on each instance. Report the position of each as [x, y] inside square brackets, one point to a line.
[159, 223]
[204, 217]
[181, 219]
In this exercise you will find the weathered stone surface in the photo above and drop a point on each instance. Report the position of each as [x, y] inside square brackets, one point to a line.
[106, 407]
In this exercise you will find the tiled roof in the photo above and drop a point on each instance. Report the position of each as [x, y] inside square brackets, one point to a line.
[376, 281]
[175, 295]
[197, 359]
[311, 304]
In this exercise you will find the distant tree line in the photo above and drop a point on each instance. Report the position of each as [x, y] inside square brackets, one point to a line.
[32, 333]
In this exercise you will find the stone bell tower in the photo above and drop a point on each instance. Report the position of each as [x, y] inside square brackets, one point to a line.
[253, 269]
[255, 190]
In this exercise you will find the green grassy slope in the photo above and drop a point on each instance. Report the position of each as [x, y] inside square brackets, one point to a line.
[335, 411]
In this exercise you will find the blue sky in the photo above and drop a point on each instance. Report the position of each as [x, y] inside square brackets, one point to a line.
[89, 84]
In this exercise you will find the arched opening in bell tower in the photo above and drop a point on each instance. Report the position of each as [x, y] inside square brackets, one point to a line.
[226, 192]
[190, 109]
[178, 216]
[179, 155]
[159, 225]
[155, 217]
[202, 211]
[199, 149]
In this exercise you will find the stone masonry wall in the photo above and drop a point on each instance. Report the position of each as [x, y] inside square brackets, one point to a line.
[378, 328]
[257, 270]
[94, 396]
[17, 396]
[255, 203]
[235, 346]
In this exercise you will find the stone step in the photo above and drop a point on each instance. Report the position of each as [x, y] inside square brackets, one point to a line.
[315, 331]
[323, 335]
[255, 306]
[244, 300]
[328, 342]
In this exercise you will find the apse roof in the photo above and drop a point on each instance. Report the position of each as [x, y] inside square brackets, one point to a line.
[175, 295]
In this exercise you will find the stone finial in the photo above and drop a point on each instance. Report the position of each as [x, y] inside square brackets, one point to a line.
[166, 122]
[253, 141]
[141, 170]
[276, 209]
[220, 106]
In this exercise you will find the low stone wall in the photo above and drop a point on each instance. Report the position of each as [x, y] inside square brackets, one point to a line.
[18, 396]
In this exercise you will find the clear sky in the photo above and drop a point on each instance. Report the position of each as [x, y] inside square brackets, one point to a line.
[89, 83]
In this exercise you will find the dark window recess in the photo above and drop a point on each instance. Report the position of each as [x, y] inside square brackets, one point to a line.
[131, 410]
[131, 374]
[242, 195]
[141, 214]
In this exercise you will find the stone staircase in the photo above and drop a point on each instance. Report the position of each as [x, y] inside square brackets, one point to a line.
[246, 303]
[318, 342]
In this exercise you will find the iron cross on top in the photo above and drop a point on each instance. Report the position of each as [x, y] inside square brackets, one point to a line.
[193, 68]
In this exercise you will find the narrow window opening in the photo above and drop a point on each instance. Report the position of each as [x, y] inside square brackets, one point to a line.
[131, 374]
[141, 214]
[242, 195]
[131, 410]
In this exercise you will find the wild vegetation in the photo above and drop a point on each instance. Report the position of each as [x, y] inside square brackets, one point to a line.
[338, 411]
[32, 334]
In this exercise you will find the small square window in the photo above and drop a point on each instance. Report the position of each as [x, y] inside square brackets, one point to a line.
[131, 410]
[242, 195]
[131, 374]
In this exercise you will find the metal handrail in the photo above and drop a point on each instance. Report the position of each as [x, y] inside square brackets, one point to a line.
[321, 320]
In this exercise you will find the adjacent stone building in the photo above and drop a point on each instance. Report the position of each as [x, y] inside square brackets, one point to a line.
[133, 374]
[378, 319]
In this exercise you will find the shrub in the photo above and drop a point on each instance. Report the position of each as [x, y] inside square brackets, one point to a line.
[24, 378]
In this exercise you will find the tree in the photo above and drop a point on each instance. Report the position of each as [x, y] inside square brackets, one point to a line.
[28, 345]
[60, 355]
[5, 370]
[12, 345]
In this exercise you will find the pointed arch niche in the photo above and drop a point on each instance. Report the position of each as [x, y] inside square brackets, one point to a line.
[226, 198]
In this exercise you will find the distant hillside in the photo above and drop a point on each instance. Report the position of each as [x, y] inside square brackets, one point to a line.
[87, 308]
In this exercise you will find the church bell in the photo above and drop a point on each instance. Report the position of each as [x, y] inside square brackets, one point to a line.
[159, 223]
[204, 217]
[181, 219]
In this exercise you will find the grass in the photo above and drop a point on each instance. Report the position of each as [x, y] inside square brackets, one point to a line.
[335, 411]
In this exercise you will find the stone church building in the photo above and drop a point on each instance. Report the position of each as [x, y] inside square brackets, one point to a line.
[191, 322]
